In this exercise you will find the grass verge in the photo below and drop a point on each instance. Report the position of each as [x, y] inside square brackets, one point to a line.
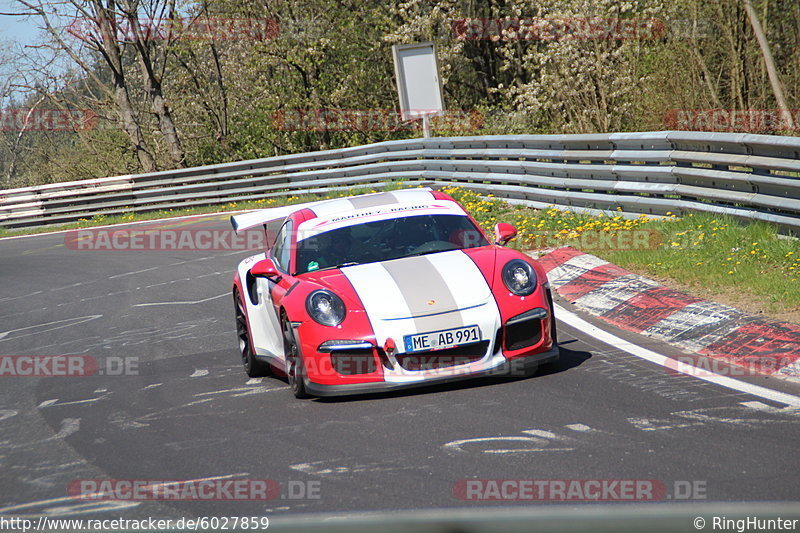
[748, 266]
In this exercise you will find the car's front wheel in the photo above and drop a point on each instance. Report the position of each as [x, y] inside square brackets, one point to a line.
[252, 366]
[295, 370]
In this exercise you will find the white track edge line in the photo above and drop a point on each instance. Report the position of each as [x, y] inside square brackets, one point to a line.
[568, 317]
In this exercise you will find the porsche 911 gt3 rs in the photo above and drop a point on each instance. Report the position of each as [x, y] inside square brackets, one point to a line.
[388, 290]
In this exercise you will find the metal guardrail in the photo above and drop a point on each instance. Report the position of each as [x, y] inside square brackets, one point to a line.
[754, 177]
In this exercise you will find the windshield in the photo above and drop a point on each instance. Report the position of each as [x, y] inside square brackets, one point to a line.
[383, 240]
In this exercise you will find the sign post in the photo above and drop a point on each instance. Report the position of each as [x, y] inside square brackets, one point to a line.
[418, 84]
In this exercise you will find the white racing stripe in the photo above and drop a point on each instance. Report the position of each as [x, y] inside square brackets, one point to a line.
[568, 317]
[398, 295]
[381, 298]
[417, 286]
[378, 291]
[463, 278]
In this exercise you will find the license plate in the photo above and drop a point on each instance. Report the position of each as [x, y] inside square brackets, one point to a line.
[439, 340]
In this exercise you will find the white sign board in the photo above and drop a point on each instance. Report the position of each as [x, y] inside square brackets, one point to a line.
[417, 73]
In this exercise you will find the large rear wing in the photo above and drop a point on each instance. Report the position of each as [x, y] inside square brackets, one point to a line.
[265, 216]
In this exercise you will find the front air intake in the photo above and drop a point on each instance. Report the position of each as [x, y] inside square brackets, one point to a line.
[525, 330]
[435, 359]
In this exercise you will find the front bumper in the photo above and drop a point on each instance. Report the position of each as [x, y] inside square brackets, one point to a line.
[519, 367]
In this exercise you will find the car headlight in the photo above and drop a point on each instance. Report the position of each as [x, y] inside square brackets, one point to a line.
[519, 277]
[325, 307]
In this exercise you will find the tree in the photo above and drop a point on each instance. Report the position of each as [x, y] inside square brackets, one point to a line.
[101, 17]
[774, 78]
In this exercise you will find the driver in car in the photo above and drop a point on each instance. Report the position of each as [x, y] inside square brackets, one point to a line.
[414, 232]
[334, 248]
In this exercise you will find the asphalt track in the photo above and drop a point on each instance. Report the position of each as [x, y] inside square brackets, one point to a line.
[188, 411]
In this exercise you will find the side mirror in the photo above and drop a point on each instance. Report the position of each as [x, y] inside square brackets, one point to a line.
[266, 269]
[503, 233]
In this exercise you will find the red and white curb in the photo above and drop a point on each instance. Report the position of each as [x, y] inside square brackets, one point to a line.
[635, 303]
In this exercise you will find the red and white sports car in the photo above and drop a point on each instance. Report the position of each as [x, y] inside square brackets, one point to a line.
[389, 290]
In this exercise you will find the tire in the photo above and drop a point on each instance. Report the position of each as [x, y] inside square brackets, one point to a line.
[252, 366]
[295, 369]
